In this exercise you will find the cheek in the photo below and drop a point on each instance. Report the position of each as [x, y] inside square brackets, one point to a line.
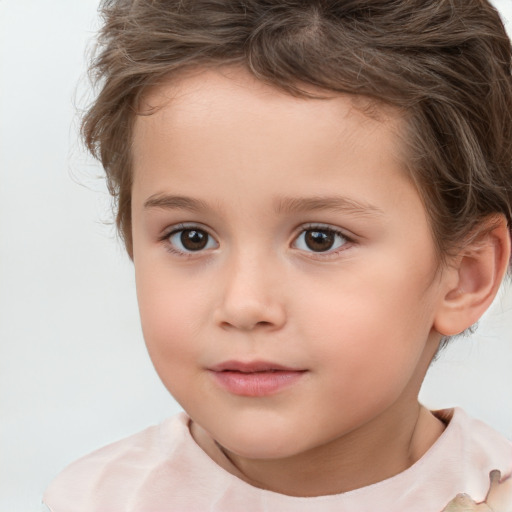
[170, 321]
[369, 327]
[369, 300]
[172, 313]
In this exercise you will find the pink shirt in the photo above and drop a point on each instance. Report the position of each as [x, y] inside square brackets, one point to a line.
[162, 469]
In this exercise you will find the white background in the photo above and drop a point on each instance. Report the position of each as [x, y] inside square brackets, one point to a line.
[74, 374]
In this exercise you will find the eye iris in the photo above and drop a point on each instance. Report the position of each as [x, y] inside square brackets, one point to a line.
[193, 240]
[319, 241]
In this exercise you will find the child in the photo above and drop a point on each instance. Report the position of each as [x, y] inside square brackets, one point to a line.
[316, 195]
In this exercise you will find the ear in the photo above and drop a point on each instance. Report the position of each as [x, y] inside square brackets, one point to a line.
[472, 278]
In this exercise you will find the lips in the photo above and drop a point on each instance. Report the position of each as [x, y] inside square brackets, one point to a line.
[256, 378]
[250, 367]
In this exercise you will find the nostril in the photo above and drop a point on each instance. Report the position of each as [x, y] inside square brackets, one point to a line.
[246, 326]
[264, 323]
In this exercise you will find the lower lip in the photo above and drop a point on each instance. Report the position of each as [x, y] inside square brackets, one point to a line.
[256, 383]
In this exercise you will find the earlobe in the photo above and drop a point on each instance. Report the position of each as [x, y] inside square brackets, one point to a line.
[474, 277]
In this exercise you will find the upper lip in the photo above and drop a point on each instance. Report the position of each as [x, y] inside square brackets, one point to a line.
[252, 367]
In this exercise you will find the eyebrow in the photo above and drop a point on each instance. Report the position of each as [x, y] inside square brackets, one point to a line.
[328, 203]
[282, 204]
[170, 202]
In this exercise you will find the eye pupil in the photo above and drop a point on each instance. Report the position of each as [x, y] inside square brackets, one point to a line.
[319, 241]
[193, 239]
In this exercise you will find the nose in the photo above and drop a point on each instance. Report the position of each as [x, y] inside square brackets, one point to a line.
[250, 296]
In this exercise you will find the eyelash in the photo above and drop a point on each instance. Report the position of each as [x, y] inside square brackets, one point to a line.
[165, 239]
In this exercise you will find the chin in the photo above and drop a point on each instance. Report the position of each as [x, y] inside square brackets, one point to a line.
[265, 444]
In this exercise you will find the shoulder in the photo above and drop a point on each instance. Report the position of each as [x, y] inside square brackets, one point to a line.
[475, 452]
[484, 458]
[478, 440]
[109, 477]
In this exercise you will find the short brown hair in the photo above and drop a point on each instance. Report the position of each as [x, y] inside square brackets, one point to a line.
[446, 64]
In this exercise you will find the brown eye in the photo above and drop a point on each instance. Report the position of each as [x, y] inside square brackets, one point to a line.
[319, 240]
[191, 240]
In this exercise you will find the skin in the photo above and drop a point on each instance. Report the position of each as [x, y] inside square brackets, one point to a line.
[359, 319]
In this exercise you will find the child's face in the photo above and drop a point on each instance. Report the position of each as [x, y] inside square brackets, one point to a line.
[280, 234]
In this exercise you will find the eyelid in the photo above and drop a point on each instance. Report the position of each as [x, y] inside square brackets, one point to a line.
[322, 226]
[174, 228]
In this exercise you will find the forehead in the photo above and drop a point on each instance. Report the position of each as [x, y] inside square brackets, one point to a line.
[203, 94]
[235, 119]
